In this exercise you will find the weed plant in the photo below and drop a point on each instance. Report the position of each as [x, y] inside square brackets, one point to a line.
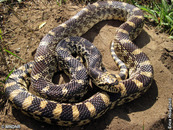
[161, 13]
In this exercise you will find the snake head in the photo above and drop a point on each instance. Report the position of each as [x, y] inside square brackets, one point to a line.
[108, 82]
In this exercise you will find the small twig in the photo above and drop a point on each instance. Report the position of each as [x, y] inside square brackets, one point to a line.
[35, 3]
[43, 3]
[6, 107]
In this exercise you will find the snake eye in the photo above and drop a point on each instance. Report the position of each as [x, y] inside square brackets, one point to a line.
[115, 83]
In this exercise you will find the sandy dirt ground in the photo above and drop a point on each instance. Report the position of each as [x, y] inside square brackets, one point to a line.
[23, 36]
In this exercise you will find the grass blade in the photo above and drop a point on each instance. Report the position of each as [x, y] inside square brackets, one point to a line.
[171, 37]
[151, 12]
[9, 74]
[12, 53]
[171, 14]
[147, 10]
[165, 6]
[1, 35]
[169, 19]
[133, 2]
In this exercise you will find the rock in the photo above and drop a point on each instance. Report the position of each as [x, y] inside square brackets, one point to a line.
[17, 50]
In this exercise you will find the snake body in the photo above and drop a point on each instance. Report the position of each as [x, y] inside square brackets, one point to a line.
[42, 70]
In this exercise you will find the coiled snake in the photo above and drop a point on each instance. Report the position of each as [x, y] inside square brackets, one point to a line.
[42, 70]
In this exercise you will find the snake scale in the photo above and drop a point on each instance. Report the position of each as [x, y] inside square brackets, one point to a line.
[45, 64]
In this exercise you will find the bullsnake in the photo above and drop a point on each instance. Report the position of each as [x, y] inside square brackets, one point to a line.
[42, 69]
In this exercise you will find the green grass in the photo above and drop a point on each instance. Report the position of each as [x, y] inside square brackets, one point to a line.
[161, 13]
[2, 49]
[60, 2]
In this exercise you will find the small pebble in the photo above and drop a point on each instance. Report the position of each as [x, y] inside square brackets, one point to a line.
[17, 50]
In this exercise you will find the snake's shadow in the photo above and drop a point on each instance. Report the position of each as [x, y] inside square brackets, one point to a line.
[141, 104]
